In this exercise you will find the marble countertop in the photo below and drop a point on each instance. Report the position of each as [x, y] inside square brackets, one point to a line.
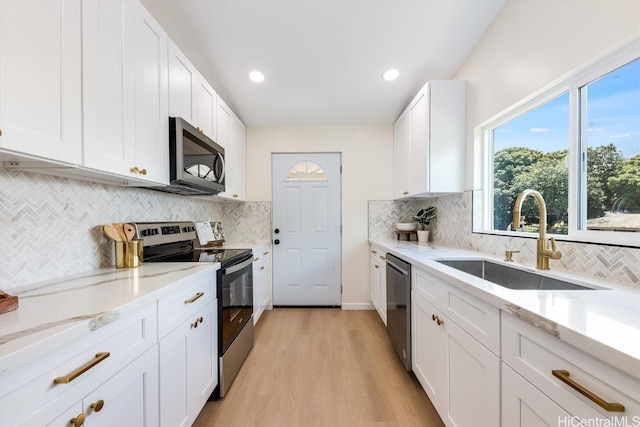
[248, 245]
[605, 322]
[53, 313]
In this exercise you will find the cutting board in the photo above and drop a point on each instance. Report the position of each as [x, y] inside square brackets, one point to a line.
[7, 302]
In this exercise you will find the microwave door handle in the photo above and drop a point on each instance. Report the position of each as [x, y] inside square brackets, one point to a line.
[221, 178]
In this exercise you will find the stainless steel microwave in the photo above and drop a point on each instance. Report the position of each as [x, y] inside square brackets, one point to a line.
[196, 162]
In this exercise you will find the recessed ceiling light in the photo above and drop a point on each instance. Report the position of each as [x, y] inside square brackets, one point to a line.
[391, 74]
[256, 76]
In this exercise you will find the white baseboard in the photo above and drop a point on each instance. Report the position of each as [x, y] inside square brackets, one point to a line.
[358, 306]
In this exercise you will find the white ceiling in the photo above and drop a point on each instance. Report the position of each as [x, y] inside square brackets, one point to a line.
[323, 60]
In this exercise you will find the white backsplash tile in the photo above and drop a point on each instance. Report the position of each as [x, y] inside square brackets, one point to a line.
[50, 226]
[453, 227]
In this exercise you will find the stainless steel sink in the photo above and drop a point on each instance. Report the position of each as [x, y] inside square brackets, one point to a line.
[510, 277]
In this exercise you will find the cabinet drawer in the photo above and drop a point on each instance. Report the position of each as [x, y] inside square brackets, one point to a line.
[185, 300]
[478, 318]
[262, 254]
[88, 361]
[535, 355]
[378, 254]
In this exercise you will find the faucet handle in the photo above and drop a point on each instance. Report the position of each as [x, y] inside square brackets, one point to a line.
[508, 255]
[555, 254]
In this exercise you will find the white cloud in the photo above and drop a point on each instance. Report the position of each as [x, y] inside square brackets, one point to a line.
[539, 130]
[622, 135]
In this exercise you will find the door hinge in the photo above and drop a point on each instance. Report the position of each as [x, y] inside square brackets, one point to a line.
[340, 169]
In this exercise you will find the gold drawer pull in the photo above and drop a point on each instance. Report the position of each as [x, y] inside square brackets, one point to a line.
[194, 299]
[82, 369]
[376, 266]
[78, 421]
[256, 259]
[374, 252]
[262, 268]
[265, 253]
[383, 257]
[563, 376]
[97, 407]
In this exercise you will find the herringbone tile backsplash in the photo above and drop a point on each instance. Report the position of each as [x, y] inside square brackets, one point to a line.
[453, 228]
[50, 226]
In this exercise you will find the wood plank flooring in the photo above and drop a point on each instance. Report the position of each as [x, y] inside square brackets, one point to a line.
[321, 367]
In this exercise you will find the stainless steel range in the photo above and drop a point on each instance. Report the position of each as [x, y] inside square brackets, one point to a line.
[178, 242]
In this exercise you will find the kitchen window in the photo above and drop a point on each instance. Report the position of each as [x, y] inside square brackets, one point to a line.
[578, 143]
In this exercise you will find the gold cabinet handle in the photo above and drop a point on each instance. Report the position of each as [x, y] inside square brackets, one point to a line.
[374, 252]
[376, 266]
[81, 370]
[404, 193]
[564, 376]
[256, 259]
[97, 406]
[235, 195]
[262, 268]
[437, 319]
[143, 172]
[194, 298]
[0, 132]
[265, 253]
[78, 421]
[383, 257]
[198, 321]
[135, 169]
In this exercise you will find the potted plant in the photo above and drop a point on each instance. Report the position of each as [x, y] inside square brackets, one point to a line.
[423, 218]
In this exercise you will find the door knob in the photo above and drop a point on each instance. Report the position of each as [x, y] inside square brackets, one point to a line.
[277, 230]
[276, 242]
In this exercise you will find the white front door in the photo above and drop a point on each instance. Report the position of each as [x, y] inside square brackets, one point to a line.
[306, 229]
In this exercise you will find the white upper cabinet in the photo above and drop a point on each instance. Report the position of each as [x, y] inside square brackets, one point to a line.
[206, 108]
[231, 136]
[40, 80]
[190, 95]
[401, 156]
[125, 107]
[429, 141]
[151, 92]
[108, 85]
[182, 85]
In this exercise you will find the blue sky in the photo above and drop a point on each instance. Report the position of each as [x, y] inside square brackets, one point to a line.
[613, 116]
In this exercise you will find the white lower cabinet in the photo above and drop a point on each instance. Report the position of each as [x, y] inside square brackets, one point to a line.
[261, 281]
[460, 376]
[584, 387]
[523, 405]
[379, 281]
[188, 367]
[128, 398]
[115, 361]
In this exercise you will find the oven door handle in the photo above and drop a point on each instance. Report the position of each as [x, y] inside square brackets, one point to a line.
[237, 267]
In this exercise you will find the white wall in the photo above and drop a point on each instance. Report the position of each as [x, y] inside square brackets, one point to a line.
[530, 44]
[367, 162]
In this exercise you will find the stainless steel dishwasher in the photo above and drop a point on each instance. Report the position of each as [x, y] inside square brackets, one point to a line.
[399, 307]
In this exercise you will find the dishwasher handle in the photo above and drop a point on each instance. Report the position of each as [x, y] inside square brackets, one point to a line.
[397, 267]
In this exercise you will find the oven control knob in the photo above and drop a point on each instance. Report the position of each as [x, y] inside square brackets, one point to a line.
[276, 242]
[277, 230]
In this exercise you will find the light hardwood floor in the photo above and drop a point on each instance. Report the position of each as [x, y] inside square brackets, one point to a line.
[321, 367]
